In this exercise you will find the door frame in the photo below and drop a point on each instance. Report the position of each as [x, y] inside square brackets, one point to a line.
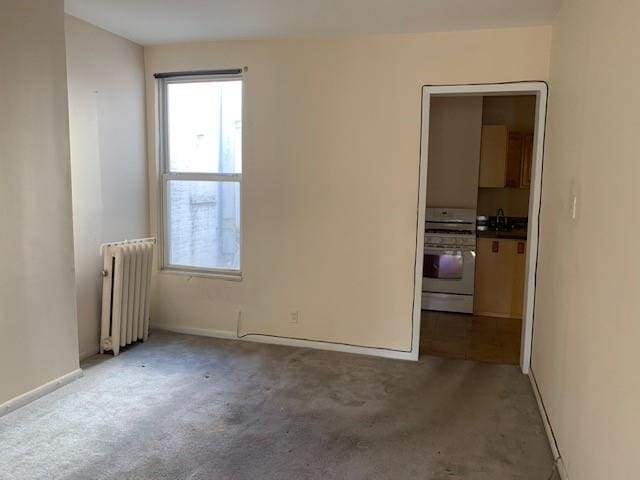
[540, 90]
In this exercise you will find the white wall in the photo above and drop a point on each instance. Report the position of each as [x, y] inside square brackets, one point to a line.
[455, 131]
[587, 318]
[38, 335]
[331, 161]
[108, 162]
[514, 201]
[516, 112]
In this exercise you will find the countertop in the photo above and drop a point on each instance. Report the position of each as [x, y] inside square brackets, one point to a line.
[516, 234]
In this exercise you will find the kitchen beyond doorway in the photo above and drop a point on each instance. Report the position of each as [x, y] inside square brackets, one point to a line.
[476, 226]
[500, 335]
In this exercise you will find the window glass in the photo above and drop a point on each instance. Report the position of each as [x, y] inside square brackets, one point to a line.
[205, 126]
[204, 224]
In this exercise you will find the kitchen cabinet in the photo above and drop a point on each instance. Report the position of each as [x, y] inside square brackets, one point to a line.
[493, 156]
[514, 160]
[499, 277]
[505, 158]
[527, 160]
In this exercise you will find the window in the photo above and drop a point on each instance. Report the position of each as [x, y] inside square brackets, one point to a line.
[201, 163]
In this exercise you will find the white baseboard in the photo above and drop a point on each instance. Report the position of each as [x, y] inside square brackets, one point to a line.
[41, 391]
[200, 332]
[562, 471]
[290, 342]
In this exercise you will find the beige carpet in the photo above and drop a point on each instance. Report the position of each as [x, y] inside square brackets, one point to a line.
[182, 407]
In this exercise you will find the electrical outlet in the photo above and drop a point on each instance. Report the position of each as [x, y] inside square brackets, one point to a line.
[294, 316]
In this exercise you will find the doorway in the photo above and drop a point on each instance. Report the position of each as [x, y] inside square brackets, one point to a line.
[524, 327]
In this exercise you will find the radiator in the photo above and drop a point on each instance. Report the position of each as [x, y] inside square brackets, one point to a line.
[125, 293]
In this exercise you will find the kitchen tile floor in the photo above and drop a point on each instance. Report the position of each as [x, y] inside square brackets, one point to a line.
[470, 337]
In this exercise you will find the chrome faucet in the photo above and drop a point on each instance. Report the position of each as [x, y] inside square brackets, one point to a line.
[500, 218]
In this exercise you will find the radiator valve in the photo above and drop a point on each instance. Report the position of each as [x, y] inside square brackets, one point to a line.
[106, 344]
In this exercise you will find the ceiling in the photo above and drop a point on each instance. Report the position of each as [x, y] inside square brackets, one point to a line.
[164, 21]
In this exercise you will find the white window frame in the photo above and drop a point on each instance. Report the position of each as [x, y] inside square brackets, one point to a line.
[166, 176]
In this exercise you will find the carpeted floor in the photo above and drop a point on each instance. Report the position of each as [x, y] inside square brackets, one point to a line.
[183, 407]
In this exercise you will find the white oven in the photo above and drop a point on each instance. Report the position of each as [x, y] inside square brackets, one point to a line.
[448, 268]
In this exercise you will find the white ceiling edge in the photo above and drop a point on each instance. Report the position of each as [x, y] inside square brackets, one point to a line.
[153, 22]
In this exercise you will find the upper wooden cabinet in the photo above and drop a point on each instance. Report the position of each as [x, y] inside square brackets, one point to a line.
[493, 156]
[527, 160]
[505, 158]
[514, 160]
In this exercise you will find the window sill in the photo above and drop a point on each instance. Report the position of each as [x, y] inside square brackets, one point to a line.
[234, 277]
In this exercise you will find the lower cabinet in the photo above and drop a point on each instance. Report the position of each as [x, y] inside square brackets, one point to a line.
[499, 282]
